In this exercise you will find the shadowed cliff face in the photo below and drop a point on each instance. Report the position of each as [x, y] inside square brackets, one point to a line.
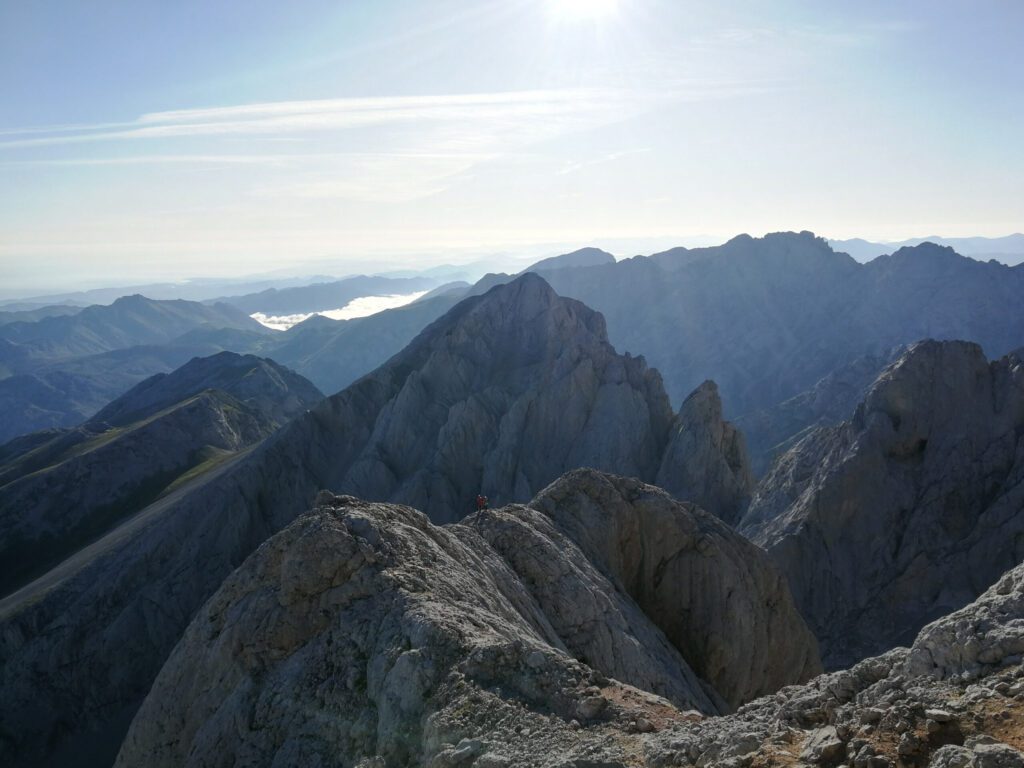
[706, 458]
[768, 317]
[907, 511]
[69, 488]
[542, 602]
[501, 395]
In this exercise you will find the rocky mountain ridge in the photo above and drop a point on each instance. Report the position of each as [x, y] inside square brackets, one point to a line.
[908, 510]
[69, 487]
[501, 395]
[766, 318]
[409, 644]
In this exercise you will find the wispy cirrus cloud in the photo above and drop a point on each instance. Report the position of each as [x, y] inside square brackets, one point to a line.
[495, 110]
[419, 144]
[556, 109]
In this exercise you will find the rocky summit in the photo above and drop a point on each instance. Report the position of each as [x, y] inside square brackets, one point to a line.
[907, 511]
[363, 635]
[363, 629]
[706, 458]
[502, 395]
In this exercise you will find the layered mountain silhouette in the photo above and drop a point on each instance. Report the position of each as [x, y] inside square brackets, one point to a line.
[767, 318]
[58, 371]
[502, 395]
[908, 510]
[65, 391]
[1009, 249]
[31, 315]
[60, 490]
[129, 321]
[334, 353]
[589, 617]
[584, 257]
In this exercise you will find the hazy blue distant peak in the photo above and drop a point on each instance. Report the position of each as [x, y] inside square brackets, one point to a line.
[1008, 249]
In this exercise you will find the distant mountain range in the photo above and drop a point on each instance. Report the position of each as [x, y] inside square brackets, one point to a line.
[59, 370]
[190, 290]
[129, 321]
[1009, 250]
[766, 318]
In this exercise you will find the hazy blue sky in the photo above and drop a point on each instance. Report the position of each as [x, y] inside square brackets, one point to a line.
[147, 138]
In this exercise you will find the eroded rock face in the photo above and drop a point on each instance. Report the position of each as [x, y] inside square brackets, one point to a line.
[706, 458]
[716, 597]
[363, 629]
[363, 635]
[504, 394]
[955, 698]
[907, 511]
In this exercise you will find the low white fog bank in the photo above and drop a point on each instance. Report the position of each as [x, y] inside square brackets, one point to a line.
[361, 307]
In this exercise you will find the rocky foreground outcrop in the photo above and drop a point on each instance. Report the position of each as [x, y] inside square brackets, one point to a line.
[907, 511]
[362, 629]
[955, 698]
[502, 395]
[362, 635]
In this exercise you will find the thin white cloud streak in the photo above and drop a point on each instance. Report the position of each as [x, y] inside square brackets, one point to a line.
[278, 160]
[425, 142]
[291, 117]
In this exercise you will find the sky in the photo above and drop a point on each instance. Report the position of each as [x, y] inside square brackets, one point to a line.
[144, 140]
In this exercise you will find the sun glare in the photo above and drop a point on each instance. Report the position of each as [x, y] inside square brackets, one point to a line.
[574, 10]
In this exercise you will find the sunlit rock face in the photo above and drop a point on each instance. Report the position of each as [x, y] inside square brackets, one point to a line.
[363, 629]
[364, 635]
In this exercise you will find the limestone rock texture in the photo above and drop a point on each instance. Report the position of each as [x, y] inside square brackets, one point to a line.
[363, 631]
[954, 698]
[907, 511]
[503, 394]
[706, 458]
[363, 635]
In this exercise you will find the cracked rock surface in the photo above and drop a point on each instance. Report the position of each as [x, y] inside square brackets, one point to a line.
[363, 632]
